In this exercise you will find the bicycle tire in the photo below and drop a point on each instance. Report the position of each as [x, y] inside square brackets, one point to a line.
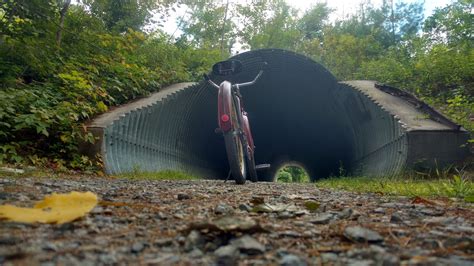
[236, 156]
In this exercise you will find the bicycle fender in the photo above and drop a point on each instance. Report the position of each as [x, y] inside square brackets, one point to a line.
[224, 105]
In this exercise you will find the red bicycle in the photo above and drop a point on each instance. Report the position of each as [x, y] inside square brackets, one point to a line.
[234, 123]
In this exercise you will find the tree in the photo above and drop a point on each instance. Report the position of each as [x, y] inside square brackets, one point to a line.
[268, 24]
[205, 26]
[451, 24]
[314, 20]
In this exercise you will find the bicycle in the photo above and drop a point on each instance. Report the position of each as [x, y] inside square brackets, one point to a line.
[234, 123]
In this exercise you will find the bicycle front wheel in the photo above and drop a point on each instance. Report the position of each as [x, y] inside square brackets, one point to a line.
[236, 156]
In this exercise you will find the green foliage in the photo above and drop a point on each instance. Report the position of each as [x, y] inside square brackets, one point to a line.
[455, 187]
[292, 174]
[48, 91]
[162, 175]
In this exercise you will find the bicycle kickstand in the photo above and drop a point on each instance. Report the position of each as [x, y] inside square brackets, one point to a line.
[227, 178]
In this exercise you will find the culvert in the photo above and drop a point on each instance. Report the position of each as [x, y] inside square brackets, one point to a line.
[298, 112]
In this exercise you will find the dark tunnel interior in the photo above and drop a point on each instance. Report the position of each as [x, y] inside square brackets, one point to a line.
[293, 114]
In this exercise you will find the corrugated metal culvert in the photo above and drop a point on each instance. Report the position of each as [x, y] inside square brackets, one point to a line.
[298, 112]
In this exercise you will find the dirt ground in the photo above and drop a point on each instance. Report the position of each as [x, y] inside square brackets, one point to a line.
[215, 223]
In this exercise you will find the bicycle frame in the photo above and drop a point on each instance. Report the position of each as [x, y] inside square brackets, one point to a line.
[234, 123]
[225, 97]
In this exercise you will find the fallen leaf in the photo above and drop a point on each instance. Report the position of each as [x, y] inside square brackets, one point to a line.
[57, 208]
[419, 200]
[312, 205]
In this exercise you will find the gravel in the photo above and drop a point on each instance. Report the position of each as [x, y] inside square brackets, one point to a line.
[214, 223]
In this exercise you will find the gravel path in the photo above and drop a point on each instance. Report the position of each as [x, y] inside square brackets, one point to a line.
[217, 223]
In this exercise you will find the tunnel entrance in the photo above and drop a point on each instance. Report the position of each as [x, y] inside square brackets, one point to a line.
[298, 112]
[292, 172]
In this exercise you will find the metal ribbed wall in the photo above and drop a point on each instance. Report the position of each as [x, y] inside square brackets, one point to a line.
[298, 112]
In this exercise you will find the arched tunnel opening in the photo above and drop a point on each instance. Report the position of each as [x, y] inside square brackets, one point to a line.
[298, 112]
[293, 114]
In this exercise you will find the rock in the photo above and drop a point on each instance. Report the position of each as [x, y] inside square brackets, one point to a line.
[245, 207]
[108, 259]
[355, 215]
[48, 246]
[289, 233]
[361, 234]
[223, 208]
[379, 210]
[183, 196]
[248, 245]
[327, 258]
[395, 218]
[163, 242]
[137, 247]
[286, 215]
[228, 224]
[345, 214]
[194, 240]
[323, 218]
[161, 216]
[196, 253]
[227, 255]
[292, 260]
[439, 220]
[432, 212]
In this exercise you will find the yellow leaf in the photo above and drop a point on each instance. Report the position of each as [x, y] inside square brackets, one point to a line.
[57, 208]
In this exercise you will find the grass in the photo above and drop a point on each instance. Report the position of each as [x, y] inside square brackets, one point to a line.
[162, 175]
[456, 187]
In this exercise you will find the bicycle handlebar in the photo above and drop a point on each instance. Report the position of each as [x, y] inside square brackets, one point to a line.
[250, 82]
[208, 79]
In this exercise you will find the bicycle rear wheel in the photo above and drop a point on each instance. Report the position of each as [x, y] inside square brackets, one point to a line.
[236, 156]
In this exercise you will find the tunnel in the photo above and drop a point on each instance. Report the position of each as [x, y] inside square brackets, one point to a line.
[298, 112]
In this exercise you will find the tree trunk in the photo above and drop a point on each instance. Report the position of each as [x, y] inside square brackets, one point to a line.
[62, 14]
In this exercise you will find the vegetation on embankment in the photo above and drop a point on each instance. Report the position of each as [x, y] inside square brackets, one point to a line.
[458, 186]
[61, 63]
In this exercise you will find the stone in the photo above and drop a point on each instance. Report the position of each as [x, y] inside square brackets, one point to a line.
[245, 207]
[183, 196]
[137, 247]
[345, 214]
[223, 208]
[286, 215]
[361, 234]
[248, 245]
[379, 210]
[323, 218]
[432, 212]
[227, 255]
[328, 257]
[292, 260]
[196, 253]
[194, 240]
[395, 218]
[161, 216]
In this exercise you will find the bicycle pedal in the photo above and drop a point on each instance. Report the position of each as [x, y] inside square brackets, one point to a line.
[262, 166]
